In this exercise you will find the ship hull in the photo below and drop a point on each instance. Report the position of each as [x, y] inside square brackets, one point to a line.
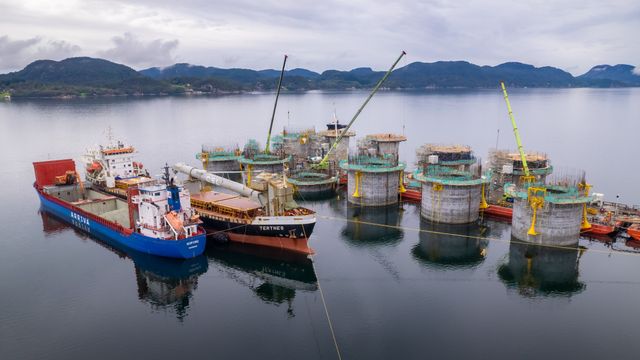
[291, 237]
[91, 224]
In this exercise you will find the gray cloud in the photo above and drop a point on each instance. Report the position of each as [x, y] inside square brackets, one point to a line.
[129, 49]
[572, 34]
[15, 54]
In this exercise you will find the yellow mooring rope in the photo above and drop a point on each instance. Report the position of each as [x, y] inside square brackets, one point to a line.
[488, 238]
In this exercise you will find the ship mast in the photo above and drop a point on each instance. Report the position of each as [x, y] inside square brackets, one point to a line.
[275, 105]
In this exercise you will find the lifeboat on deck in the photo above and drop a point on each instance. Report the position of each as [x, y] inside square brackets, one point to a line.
[94, 167]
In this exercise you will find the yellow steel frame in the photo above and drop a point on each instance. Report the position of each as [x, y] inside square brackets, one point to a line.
[356, 193]
[585, 225]
[249, 168]
[535, 195]
[401, 188]
[483, 199]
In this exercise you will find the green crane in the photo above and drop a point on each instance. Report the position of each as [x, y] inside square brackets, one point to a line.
[275, 105]
[324, 162]
[527, 175]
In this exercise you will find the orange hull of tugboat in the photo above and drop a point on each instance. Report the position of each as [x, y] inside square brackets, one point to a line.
[634, 232]
[599, 229]
[499, 211]
[343, 180]
[411, 195]
[297, 245]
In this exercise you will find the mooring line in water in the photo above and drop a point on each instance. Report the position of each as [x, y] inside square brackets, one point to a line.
[488, 238]
[324, 303]
[326, 310]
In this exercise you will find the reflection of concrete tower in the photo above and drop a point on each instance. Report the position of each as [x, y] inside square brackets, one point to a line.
[451, 246]
[364, 225]
[538, 270]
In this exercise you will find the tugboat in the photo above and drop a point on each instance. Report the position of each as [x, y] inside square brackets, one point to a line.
[156, 219]
[634, 232]
[264, 214]
[335, 125]
[111, 168]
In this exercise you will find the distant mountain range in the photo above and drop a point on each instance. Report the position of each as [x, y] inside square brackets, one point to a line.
[619, 73]
[85, 76]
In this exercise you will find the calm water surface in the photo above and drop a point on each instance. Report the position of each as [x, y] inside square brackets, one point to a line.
[399, 291]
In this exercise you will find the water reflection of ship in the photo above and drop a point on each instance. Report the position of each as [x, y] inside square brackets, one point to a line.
[451, 246]
[538, 270]
[163, 283]
[273, 275]
[373, 225]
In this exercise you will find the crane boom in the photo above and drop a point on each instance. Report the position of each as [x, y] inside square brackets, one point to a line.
[523, 156]
[275, 105]
[323, 163]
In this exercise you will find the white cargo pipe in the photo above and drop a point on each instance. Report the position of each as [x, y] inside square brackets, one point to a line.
[220, 181]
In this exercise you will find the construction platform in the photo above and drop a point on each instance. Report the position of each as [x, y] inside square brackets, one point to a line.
[456, 156]
[506, 167]
[221, 160]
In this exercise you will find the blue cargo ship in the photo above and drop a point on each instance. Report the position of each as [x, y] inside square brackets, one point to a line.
[155, 219]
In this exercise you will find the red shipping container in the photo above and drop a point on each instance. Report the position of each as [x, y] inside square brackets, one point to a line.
[46, 171]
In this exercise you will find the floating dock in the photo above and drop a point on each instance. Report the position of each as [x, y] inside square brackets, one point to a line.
[452, 184]
[375, 173]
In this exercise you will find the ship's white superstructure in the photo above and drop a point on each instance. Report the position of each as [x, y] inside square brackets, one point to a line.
[164, 211]
[104, 164]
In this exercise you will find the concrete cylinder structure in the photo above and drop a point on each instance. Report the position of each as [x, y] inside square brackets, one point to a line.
[341, 152]
[222, 165]
[555, 223]
[378, 188]
[450, 204]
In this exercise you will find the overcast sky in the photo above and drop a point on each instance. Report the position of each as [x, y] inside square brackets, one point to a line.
[573, 35]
